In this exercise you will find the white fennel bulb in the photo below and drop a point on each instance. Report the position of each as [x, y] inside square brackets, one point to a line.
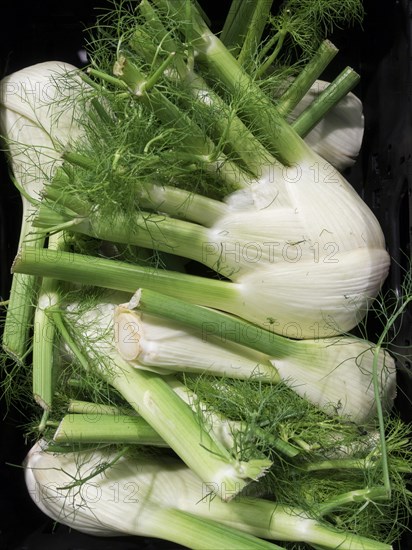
[105, 493]
[335, 373]
[297, 241]
[323, 209]
[153, 342]
[38, 119]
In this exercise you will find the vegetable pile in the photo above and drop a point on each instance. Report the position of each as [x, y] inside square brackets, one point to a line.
[192, 282]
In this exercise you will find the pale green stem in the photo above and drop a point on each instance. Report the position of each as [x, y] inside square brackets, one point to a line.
[155, 27]
[375, 379]
[117, 82]
[83, 361]
[217, 324]
[380, 415]
[152, 398]
[20, 310]
[371, 494]
[197, 145]
[44, 365]
[43, 347]
[201, 533]
[281, 35]
[19, 317]
[117, 275]
[146, 229]
[270, 520]
[341, 464]
[278, 444]
[89, 408]
[268, 44]
[44, 421]
[106, 428]
[181, 204]
[153, 79]
[255, 28]
[306, 78]
[285, 144]
[236, 24]
[325, 101]
[226, 127]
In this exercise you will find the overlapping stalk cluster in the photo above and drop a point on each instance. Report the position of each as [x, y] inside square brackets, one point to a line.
[191, 265]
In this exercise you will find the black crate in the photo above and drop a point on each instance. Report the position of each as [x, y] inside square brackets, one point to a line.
[381, 52]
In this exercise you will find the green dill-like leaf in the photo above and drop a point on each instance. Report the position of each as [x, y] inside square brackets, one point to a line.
[299, 26]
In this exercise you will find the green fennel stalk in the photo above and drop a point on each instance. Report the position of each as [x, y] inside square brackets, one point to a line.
[158, 404]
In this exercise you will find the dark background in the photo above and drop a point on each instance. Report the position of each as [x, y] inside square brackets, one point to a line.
[37, 31]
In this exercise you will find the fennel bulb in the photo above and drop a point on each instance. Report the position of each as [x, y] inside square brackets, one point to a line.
[77, 489]
[291, 240]
[297, 241]
[333, 373]
[87, 505]
[36, 127]
[318, 207]
[154, 343]
[38, 120]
